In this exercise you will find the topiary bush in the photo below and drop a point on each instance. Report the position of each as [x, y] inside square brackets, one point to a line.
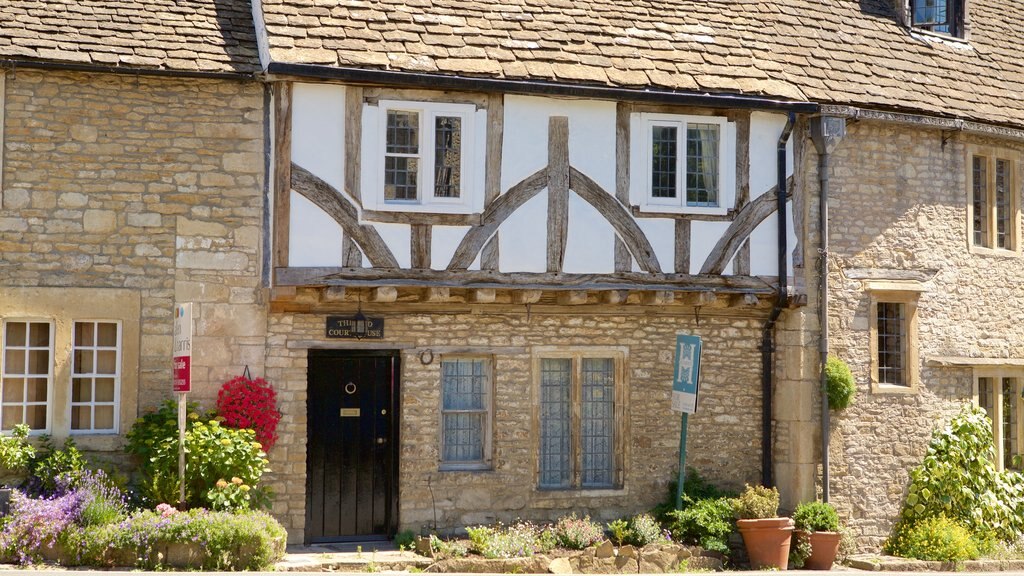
[936, 538]
[756, 502]
[816, 517]
[839, 384]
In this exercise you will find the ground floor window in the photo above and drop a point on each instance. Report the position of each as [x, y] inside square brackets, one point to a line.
[27, 373]
[893, 340]
[579, 420]
[95, 376]
[999, 394]
[465, 413]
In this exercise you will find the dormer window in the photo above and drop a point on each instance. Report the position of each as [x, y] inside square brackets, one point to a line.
[942, 16]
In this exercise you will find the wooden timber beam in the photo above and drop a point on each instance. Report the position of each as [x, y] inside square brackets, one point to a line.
[747, 219]
[282, 171]
[558, 191]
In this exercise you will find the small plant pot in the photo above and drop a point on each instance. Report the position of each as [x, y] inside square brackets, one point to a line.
[824, 547]
[767, 541]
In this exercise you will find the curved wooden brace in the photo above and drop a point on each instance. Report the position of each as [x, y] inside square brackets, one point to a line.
[328, 199]
[502, 207]
[747, 219]
[613, 211]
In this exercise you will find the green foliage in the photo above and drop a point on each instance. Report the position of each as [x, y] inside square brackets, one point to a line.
[839, 383]
[516, 541]
[958, 480]
[224, 464]
[619, 530]
[799, 550]
[935, 538]
[15, 452]
[695, 487]
[54, 468]
[816, 517]
[644, 530]
[706, 523]
[756, 502]
[405, 540]
[447, 548]
[577, 533]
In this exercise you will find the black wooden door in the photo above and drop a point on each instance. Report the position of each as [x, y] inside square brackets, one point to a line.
[352, 448]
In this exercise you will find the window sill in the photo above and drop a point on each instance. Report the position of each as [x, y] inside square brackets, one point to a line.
[477, 467]
[994, 252]
[426, 208]
[580, 492]
[877, 388]
[675, 210]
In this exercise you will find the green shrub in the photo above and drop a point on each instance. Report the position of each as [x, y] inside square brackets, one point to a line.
[839, 384]
[56, 470]
[706, 523]
[644, 530]
[619, 530]
[447, 548]
[405, 540]
[224, 464]
[15, 452]
[695, 487]
[816, 517]
[935, 538]
[577, 533]
[516, 541]
[799, 550]
[756, 502]
[958, 479]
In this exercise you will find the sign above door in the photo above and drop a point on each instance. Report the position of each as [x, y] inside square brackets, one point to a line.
[356, 327]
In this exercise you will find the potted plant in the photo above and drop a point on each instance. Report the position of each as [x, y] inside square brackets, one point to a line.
[765, 535]
[820, 522]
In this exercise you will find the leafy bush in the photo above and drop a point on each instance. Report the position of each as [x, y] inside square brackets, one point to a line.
[577, 533]
[644, 530]
[619, 530]
[839, 384]
[799, 550]
[447, 548]
[958, 479]
[706, 523]
[217, 456]
[54, 470]
[935, 538]
[695, 487]
[245, 403]
[405, 540]
[104, 503]
[756, 502]
[516, 541]
[816, 517]
[15, 452]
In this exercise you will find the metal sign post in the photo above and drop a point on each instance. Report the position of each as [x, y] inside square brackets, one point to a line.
[685, 386]
[182, 382]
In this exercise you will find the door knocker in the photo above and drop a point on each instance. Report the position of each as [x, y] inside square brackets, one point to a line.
[350, 388]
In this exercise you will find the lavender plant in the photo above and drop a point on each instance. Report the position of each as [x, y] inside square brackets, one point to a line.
[36, 523]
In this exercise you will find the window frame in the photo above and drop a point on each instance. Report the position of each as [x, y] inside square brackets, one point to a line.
[619, 359]
[472, 157]
[117, 380]
[992, 156]
[641, 194]
[50, 368]
[956, 19]
[997, 374]
[909, 300]
[487, 463]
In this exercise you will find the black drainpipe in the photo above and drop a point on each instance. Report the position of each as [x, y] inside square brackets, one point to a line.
[781, 300]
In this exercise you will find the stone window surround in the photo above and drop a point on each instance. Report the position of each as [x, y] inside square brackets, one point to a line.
[991, 154]
[895, 292]
[62, 307]
[487, 463]
[620, 356]
[997, 373]
[640, 161]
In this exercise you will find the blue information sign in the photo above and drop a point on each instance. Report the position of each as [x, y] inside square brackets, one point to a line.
[686, 378]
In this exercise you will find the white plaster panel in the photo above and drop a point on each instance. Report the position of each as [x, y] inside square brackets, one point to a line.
[444, 240]
[764, 245]
[314, 238]
[590, 248]
[523, 237]
[765, 130]
[703, 237]
[661, 233]
[318, 131]
[397, 237]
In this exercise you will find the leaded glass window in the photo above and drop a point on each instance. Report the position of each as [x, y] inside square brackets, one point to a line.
[1004, 206]
[702, 164]
[663, 161]
[687, 164]
[555, 423]
[27, 370]
[465, 410]
[999, 395]
[944, 16]
[979, 200]
[447, 156]
[401, 156]
[992, 194]
[891, 325]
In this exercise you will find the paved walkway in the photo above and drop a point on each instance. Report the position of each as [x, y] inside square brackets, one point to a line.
[372, 556]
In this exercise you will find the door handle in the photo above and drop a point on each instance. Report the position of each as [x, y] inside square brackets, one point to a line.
[382, 440]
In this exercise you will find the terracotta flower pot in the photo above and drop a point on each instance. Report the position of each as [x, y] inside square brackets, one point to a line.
[824, 547]
[767, 541]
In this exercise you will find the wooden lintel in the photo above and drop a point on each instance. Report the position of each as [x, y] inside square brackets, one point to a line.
[283, 293]
[414, 218]
[483, 296]
[435, 294]
[526, 296]
[384, 294]
[658, 297]
[614, 296]
[282, 171]
[334, 294]
[558, 191]
[573, 297]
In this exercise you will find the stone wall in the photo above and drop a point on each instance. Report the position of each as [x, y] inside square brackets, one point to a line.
[724, 436]
[154, 185]
[899, 202]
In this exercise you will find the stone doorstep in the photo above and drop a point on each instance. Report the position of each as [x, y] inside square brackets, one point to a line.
[323, 559]
[881, 563]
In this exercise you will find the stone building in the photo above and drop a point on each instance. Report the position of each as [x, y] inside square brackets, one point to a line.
[518, 208]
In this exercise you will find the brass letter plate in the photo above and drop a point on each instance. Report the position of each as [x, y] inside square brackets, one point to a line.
[349, 412]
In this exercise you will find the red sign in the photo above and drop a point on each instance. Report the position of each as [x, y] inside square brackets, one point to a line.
[182, 355]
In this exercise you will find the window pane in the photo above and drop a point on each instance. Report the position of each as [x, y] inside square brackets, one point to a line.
[890, 344]
[1003, 205]
[106, 362]
[463, 437]
[12, 415]
[663, 161]
[598, 422]
[400, 175]
[39, 362]
[464, 387]
[14, 362]
[979, 205]
[35, 389]
[986, 397]
[81, 390]
[403, 132]
[81, 417]
[702, 165]
[1009, 386]
[36, 417]
[104, 389]
[447, 156]
[931, 14]
[83, 361]
[15, 334]
[39, 334]
[84, 332]
[555, 422]
[463, 384]
[106, 334]
[104, 418]
[14, 390]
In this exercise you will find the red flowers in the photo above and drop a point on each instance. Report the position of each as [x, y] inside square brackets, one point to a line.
[245, 403]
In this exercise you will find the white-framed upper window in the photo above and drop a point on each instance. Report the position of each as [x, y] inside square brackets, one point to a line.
[424, 156]
[466, 409]
[683, 164]
[95, 376]
[26, 375]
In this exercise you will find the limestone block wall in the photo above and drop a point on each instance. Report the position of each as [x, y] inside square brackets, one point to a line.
[724, 436]
[898, 202]
[153, 185]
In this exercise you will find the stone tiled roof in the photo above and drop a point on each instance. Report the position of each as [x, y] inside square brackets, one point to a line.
[835, 51]
[183, 35]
